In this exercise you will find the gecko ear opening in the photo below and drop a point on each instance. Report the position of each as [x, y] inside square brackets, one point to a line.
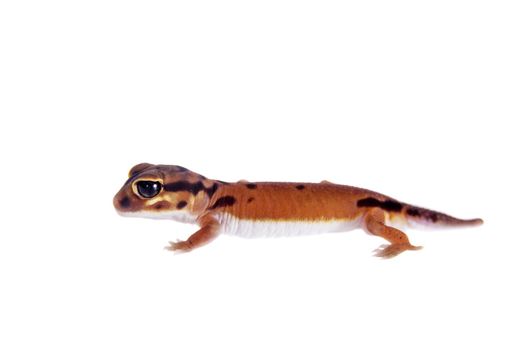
[138, 168]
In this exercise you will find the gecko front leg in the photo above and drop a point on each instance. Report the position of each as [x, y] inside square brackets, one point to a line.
[209, 230]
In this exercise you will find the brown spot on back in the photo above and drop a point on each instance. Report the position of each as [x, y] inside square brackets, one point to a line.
[225, 201]
[251, 186]
[300, 187]
[251, 199]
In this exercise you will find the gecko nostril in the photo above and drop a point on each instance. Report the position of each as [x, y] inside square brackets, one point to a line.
[124, 202]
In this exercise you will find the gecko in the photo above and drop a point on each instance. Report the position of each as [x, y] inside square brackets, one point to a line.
[253, 209]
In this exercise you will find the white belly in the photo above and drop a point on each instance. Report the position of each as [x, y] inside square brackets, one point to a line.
[274, 228]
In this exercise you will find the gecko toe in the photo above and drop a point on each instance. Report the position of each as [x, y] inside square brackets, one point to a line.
[178, 246]
[392, 250]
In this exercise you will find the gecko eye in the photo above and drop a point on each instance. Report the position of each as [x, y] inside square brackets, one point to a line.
[148, 189]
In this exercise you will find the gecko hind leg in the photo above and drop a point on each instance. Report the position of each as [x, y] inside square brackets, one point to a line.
[209, 230]
[374, 223]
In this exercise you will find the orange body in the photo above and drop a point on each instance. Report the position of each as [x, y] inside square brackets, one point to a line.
[268, 208]
[293, 201]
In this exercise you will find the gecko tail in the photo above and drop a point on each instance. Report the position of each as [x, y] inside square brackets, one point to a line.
[417, 216]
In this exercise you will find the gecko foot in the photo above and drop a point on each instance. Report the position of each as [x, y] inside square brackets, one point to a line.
[178, 246]
[389, 251]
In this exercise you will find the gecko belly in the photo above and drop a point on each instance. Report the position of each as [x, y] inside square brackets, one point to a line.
[281, 228]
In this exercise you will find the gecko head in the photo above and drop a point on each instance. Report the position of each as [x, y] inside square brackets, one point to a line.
[155, 191]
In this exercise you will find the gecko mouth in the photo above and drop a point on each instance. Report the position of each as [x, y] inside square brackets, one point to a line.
[176, 215]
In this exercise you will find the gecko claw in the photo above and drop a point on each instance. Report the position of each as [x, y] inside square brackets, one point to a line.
[379, 249]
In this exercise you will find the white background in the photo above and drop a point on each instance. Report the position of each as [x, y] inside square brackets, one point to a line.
[414, 99]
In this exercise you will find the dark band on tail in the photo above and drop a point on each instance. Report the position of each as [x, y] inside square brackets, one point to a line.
[430, 216]
[416, 214]
[388, 205]
[425, 214]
